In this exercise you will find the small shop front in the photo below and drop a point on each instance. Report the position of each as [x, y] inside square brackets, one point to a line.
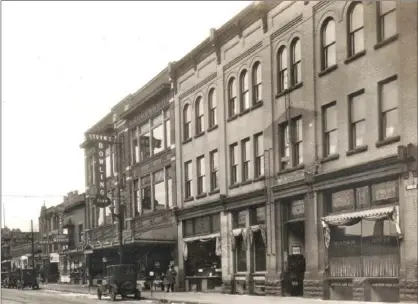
[362, 238]
[249, 243]
[202, 254]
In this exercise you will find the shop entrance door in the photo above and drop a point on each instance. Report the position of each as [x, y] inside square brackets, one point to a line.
[295, 272]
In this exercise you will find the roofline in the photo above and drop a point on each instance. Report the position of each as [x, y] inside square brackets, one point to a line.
[99, 122]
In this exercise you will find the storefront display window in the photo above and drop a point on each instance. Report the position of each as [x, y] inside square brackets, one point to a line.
[240, 254]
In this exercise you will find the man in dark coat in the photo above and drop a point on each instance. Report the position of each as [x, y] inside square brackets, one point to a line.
[170, 278]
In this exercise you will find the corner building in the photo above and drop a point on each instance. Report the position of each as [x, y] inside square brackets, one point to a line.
[296, 152]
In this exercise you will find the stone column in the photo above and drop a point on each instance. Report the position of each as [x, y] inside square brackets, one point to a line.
[312, 285]
[226, 256]
[408, 247]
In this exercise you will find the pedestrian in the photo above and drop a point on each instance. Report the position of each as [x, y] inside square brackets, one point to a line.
[170, 278]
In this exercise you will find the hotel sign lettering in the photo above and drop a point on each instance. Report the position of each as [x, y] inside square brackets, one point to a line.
[101, 200]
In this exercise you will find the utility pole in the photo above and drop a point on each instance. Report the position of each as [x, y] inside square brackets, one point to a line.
[32, 241]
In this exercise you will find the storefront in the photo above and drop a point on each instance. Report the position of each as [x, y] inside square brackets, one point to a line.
[202, 254]
[249, 242]
[362, 238]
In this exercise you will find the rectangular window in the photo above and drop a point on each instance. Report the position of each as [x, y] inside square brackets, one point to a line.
[284, 146]
[298, 141]
[159, 190]
[357, 119]
[200, 163]
[137, 201]
[259, 155]
[157, 142]
[214, 163]
[259, 251]
[240, 254]
[135, 146]
[246, 159]
[146, 194]
[389, 113]
[169, 183]
[330, 129]
[188, 178]
[233, 158]
[144, 141]
[387, 19]
[167, 130]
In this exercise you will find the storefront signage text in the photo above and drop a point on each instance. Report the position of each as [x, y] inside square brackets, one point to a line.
[385, 285]
[341, 284]
[343, 200]
[60, 238]
[291, 177]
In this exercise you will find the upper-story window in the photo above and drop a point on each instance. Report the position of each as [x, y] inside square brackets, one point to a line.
[214, 164]
[199, 115]
[200, 168]
[188, 179]
[244, 91]
[144, 141]
[330, 126]
[167, 129]
[146, 196]
[355, 29]
[232, 97]
[389, 113]
[135, 146]
[233, 160]
[296, 61]
[259, 155]
[257, 83]
[245, 159]
[213, 121]
[357, 120]
[386, 19]
[329, 50]
[291, 143]
[282, 69]
[187, 122]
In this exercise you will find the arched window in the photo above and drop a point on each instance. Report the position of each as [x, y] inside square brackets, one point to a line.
[187, 122]
[244, 91]
[232, 97]
[296, 61]
[329, 57]
[199, 115]
[257, 83]
[282, 69]
[212, 108]
[355, 29]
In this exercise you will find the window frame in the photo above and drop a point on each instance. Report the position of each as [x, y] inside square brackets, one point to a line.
[212, 105]
[244, 90]
[325, 47]
[245, 159]
[201, 178]
[353, 124]
[282, 71]
[233, 164]
[199, 116]
[295, 63]
[232, 98]
[297, 142]
[380, 21]
[187, 122]
[188, 179]
[351, 33]
[325, 130]
[285, 160]
[258, 156]
[382, 113]
[257, 82]
[214, 178]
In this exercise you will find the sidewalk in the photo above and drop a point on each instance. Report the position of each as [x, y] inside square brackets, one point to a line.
[204, 298]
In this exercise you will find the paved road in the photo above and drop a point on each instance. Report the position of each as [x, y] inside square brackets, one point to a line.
[13, 296]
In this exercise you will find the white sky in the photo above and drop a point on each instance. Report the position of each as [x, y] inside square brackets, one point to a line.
[64, 65]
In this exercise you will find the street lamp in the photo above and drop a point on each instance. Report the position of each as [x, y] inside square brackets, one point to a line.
[119, 216]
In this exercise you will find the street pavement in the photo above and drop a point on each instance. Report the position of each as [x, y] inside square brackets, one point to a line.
[28, 296]
[69, 295]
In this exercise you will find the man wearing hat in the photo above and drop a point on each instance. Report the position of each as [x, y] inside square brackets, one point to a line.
[170, 277]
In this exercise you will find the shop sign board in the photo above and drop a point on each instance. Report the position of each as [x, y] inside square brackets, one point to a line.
[60, 238]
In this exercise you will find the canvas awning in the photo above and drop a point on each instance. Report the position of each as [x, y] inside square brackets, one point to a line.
[371, 213]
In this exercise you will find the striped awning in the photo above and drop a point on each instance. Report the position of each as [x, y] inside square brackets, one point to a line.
[359, 214]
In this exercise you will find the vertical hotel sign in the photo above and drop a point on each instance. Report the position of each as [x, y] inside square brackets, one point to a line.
[102, 142]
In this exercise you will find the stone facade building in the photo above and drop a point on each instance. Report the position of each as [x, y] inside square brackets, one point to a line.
[296, 151]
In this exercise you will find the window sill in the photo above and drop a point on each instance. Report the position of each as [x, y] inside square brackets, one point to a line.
[212, 128]
[259, 178]
[257, 105]
[186, 141]
[285, 171]
[244, 112]
[234, 186]
[232, 118]
[294, 87]
[386, 42]
[201, 195]
[388, 141]
[328, 70]
[189, 199]
[200, 134]
[247, 182]
[355, 56]
[357, 150]
[330, 158]
[216, 191]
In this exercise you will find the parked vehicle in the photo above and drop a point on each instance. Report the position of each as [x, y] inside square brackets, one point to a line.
[119, 280]
[28, 278]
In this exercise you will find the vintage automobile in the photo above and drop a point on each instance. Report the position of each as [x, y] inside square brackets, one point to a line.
[28, 278]
[119, 279]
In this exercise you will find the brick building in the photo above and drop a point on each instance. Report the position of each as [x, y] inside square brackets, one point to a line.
[139, 182]
[296, 151]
